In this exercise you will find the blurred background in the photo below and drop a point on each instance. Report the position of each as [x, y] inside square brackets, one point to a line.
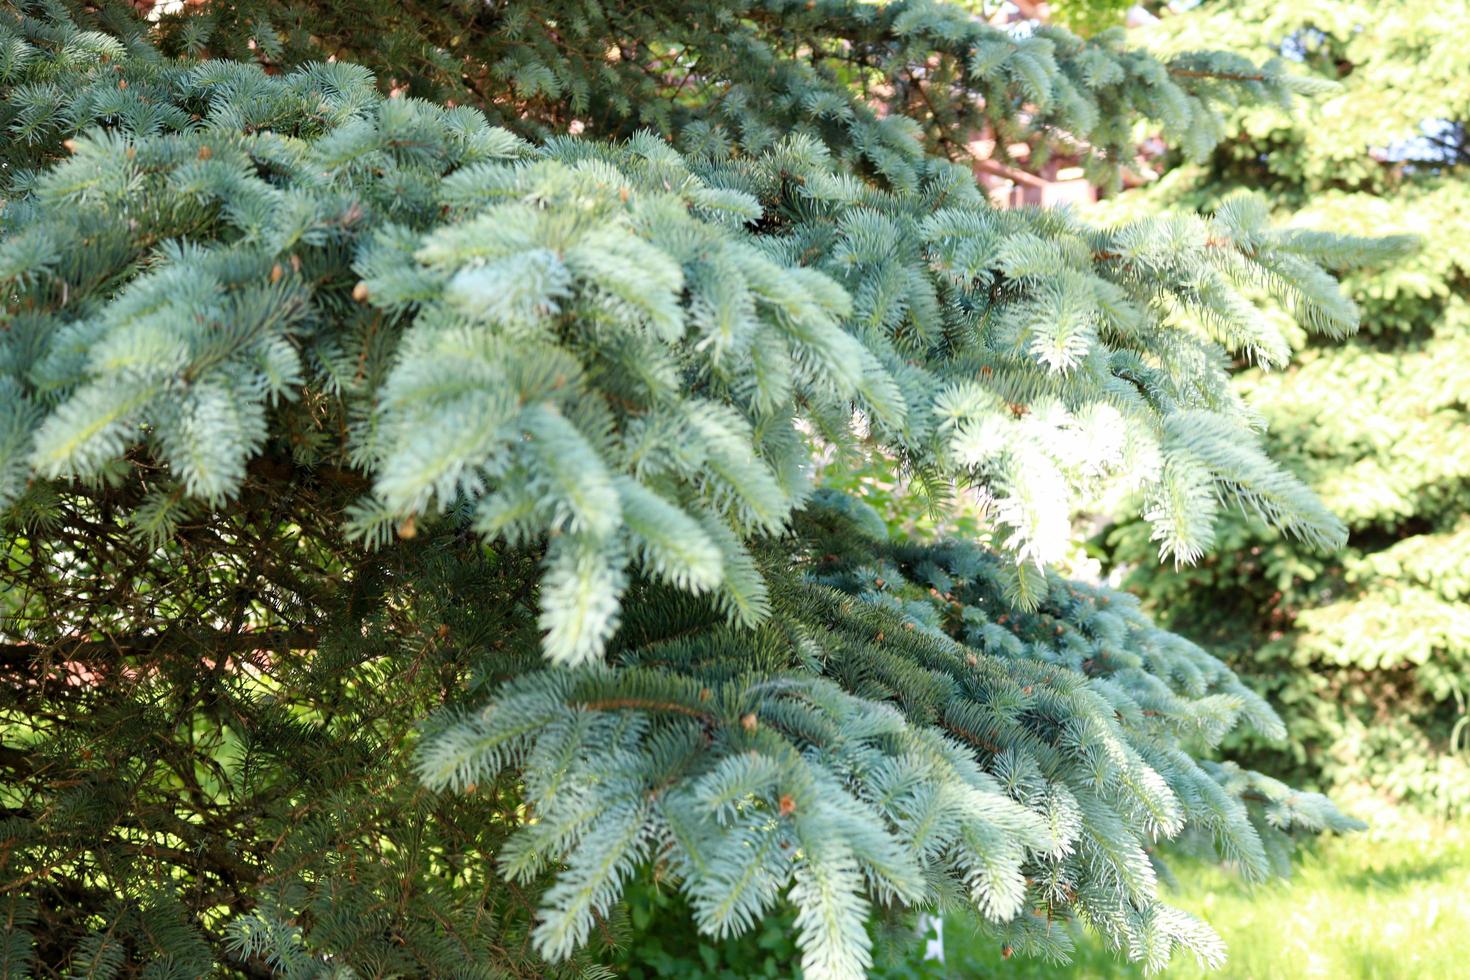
[1365, 653]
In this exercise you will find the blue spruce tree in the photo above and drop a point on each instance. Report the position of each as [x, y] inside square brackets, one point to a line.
[1369, 646]
[409, 532]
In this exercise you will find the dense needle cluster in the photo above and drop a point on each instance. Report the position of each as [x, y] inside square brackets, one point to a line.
[323, 412]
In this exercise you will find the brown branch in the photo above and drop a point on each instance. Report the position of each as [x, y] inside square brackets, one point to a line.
[1224, 76]
[1103, 255]
[973, 739]
[16, 760]
[27, 654]
[646, 704]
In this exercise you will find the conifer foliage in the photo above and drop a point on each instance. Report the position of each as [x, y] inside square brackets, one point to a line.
[1367, 649]
[409, 530]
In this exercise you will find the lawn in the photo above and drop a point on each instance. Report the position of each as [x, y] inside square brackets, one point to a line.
[1386, 903]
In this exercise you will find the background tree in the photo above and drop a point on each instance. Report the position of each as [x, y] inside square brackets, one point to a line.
[409, 532]
[1367, 649]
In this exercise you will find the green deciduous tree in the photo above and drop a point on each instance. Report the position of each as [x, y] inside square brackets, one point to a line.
[1368, 648]
[409, 532]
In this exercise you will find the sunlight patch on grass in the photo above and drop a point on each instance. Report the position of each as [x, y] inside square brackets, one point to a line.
[1381, 905]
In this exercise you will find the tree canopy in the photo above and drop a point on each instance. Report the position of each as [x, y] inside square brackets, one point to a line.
[410, 536]
[1368, 646]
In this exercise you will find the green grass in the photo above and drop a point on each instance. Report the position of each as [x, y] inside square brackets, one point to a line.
[1388, 903]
